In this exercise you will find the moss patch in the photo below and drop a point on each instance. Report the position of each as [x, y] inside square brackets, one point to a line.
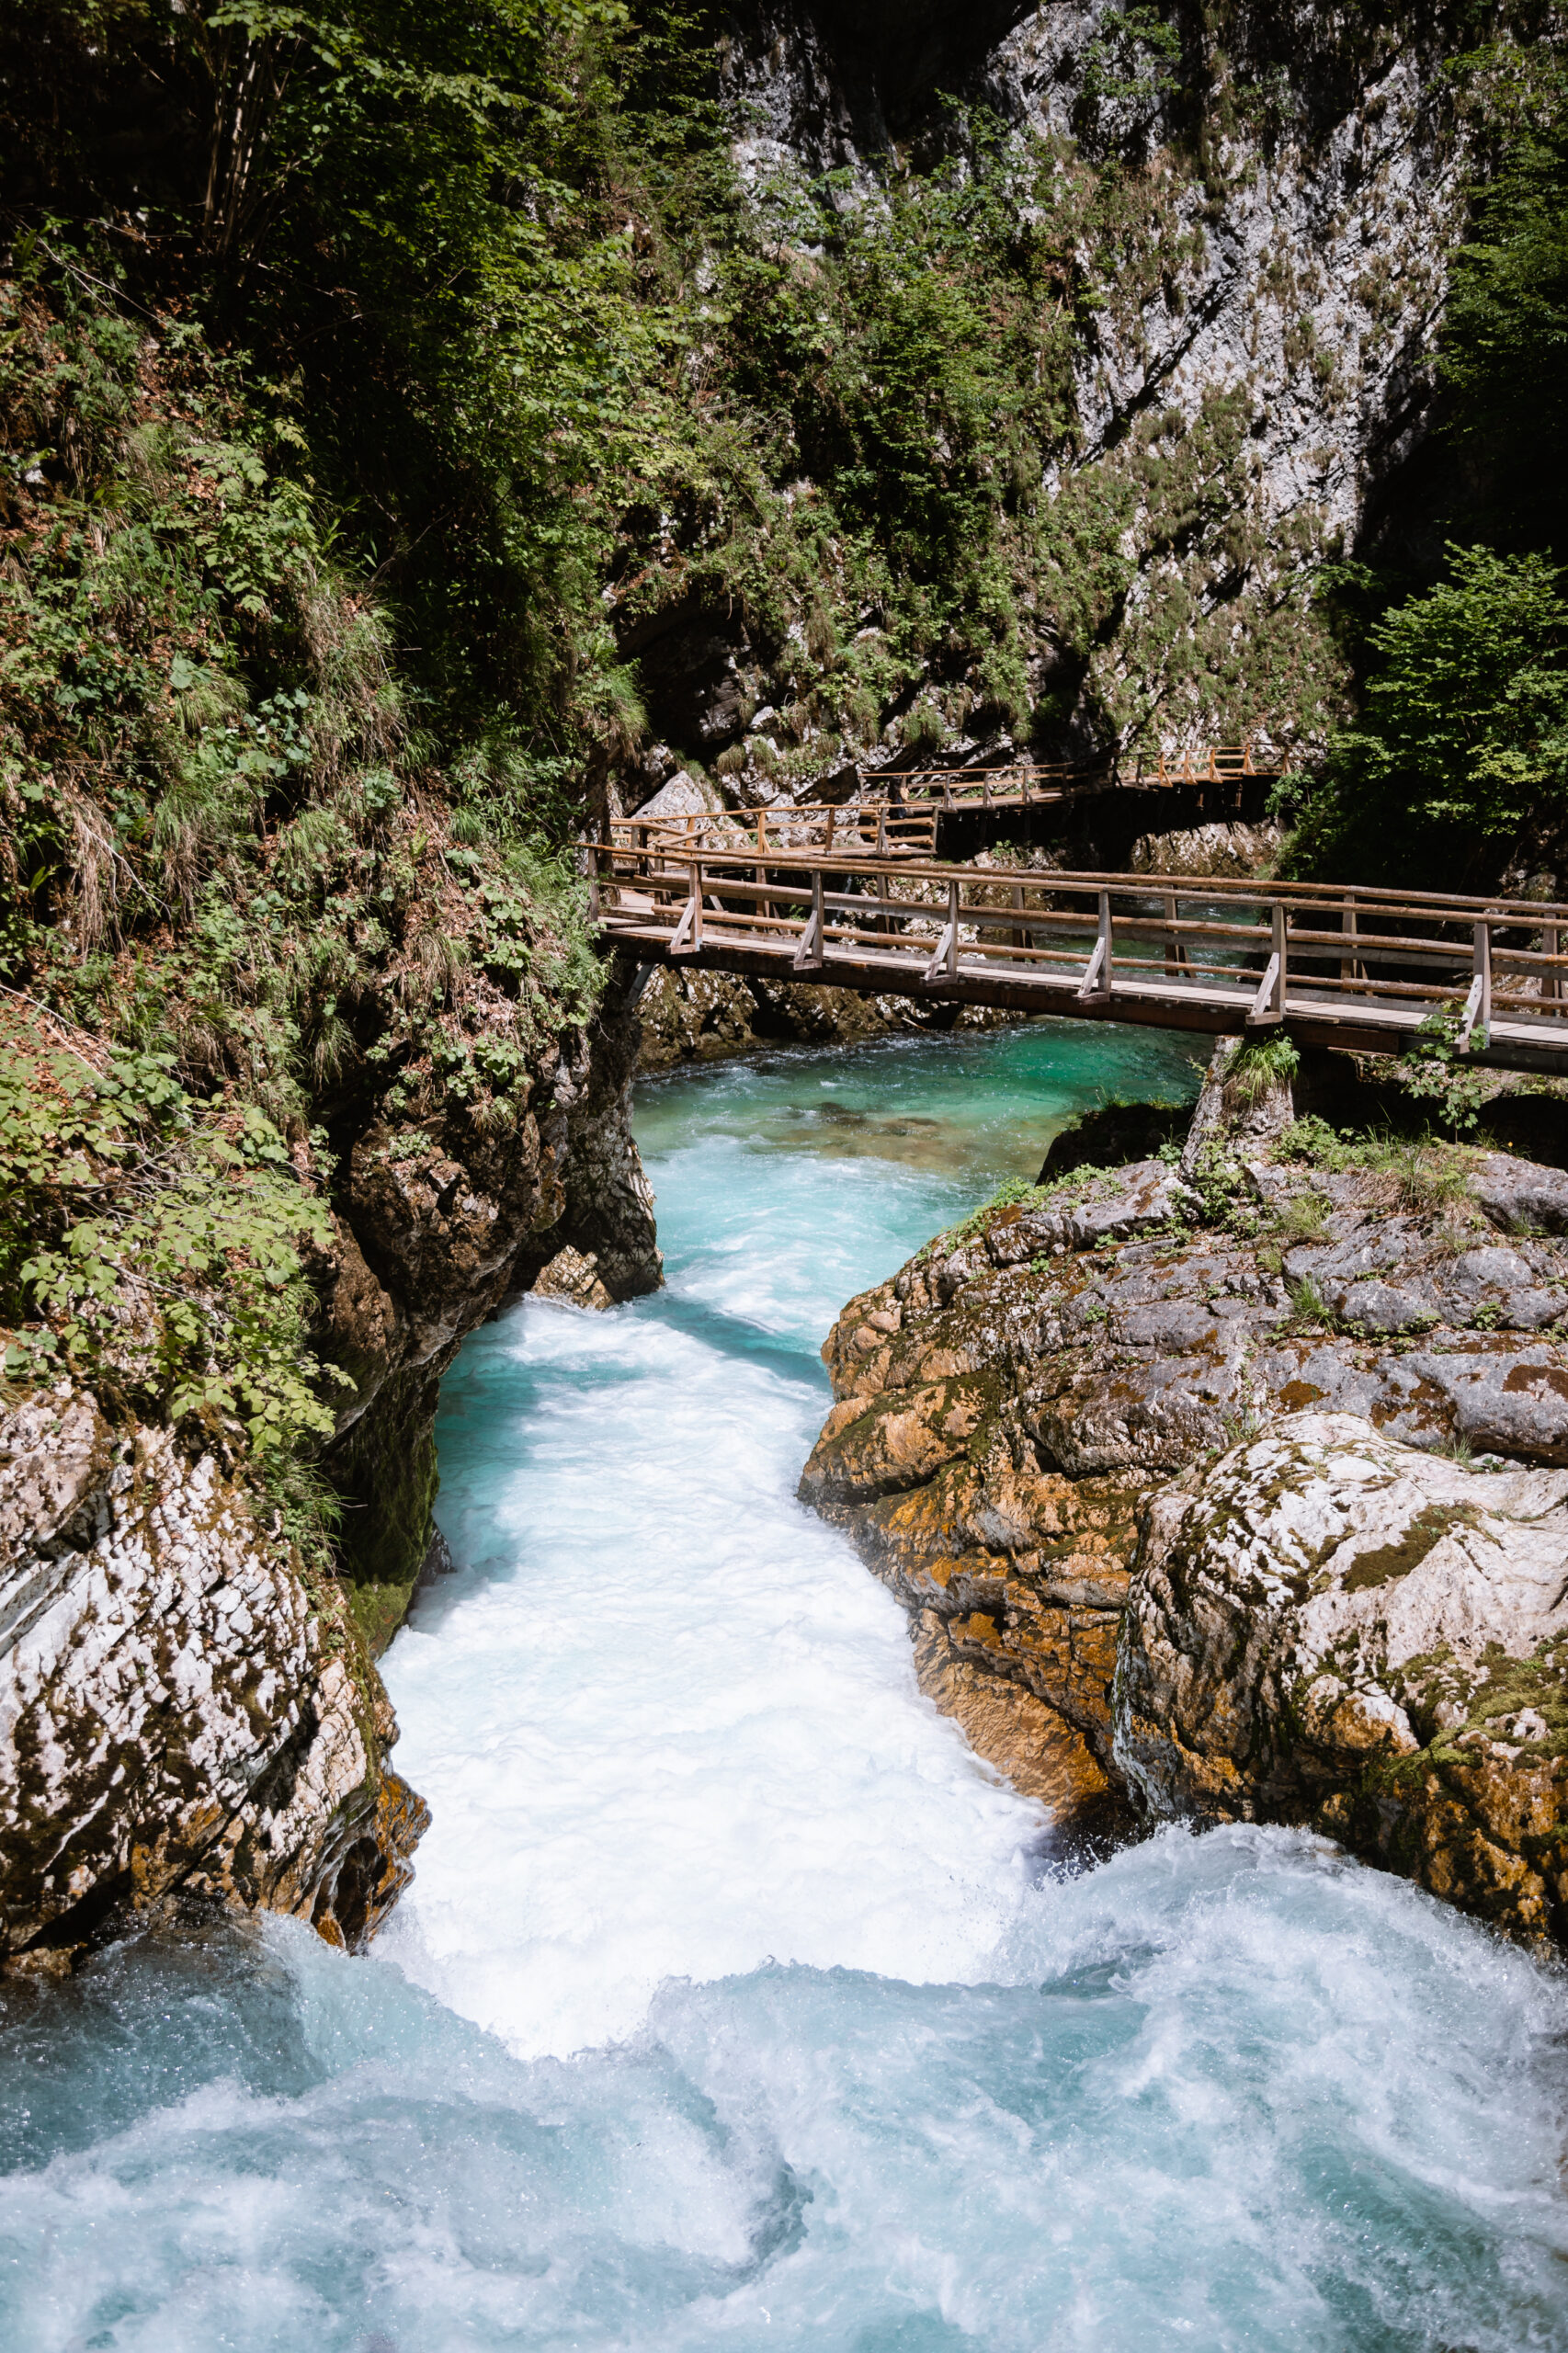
[1386, 1562]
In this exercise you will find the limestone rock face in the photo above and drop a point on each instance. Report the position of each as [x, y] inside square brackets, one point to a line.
[1225, 850]
[1288, 296]
[1330, 1626]
[175, 1713]
[691, 1017]
[573, 1276]
[1009, 1402]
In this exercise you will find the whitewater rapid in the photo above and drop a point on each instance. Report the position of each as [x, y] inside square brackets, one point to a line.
[666, 1723]
[735, 2003]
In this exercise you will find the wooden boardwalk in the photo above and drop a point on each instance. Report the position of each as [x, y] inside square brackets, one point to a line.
[1023, 785]
[900, 819]
[1352, 968]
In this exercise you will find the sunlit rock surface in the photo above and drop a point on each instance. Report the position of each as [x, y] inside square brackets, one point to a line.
[1010, 1403]
[1328, 1626]
[176, 1711]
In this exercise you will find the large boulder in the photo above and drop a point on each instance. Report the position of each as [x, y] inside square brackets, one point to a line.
[1008, 1403]
[1328, 1626]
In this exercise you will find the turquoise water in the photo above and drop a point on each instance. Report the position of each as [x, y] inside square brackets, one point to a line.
[734, 2005]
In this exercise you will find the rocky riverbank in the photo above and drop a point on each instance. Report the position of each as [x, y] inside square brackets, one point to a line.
[706, 1017]
[188, 1703]
[1230, 1483]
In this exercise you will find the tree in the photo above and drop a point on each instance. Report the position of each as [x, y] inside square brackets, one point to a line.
[1463, 747]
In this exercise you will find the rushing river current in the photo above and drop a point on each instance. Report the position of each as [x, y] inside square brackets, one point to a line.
[736, 2005]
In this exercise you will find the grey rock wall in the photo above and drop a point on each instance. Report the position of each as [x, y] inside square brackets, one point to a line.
[1291, 200]
[176, 1713]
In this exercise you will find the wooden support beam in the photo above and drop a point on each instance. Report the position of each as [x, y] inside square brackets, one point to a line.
[1268, 1006]
[1096, 980]
[1477, 1011]
[683, 943]
[939, 967]
[1261, 1013]
[811, 954]
[944, 964]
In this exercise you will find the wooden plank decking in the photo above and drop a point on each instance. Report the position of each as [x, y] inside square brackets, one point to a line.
[1349, 967]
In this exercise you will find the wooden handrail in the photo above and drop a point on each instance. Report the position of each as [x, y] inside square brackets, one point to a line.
[1191, 954]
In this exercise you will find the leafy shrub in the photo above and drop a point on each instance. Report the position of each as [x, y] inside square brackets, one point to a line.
[155, 1250]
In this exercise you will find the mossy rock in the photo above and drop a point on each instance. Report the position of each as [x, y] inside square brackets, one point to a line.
[1113, 1134]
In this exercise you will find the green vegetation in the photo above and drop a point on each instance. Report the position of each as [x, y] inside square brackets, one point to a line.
[1456, 767]
[379, 396]
[1257, 1067]
[1429, 1172]
[156, 1248]
[1462, 750]
[1432, 1069]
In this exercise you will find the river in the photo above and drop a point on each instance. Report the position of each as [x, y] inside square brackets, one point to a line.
[735, 2003]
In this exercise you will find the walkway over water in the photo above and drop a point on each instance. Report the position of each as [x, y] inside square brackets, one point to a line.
[900, 819]
[1353, 968]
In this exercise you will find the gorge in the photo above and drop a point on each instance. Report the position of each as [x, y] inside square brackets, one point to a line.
[903, 2080]
[479, 1863]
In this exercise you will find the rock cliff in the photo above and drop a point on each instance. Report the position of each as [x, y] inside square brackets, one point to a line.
[1284, 188]
[436, 1227]
[1013, 1402]
[180, 1707]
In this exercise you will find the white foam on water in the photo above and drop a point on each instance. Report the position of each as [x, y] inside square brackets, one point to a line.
[669, 1726]
[858, 2082]
[1227, 2092]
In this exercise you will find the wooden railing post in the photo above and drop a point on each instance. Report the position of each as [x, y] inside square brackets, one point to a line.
[953, 926]
[1551, 982]
[1350, 966]
[1477, 1011]
[1175, 954]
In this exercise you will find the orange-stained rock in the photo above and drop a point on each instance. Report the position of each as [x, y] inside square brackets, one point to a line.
[1010, 1404]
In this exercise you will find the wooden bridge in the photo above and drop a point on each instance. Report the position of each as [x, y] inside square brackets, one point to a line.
[1356, 969]
[901, 818]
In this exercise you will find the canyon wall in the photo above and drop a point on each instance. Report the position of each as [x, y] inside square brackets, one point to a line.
[1249, 231]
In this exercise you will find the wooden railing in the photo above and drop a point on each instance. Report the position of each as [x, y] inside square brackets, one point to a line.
[857, 829]
[1356, 967]
[1027, 785]
[903, 821]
